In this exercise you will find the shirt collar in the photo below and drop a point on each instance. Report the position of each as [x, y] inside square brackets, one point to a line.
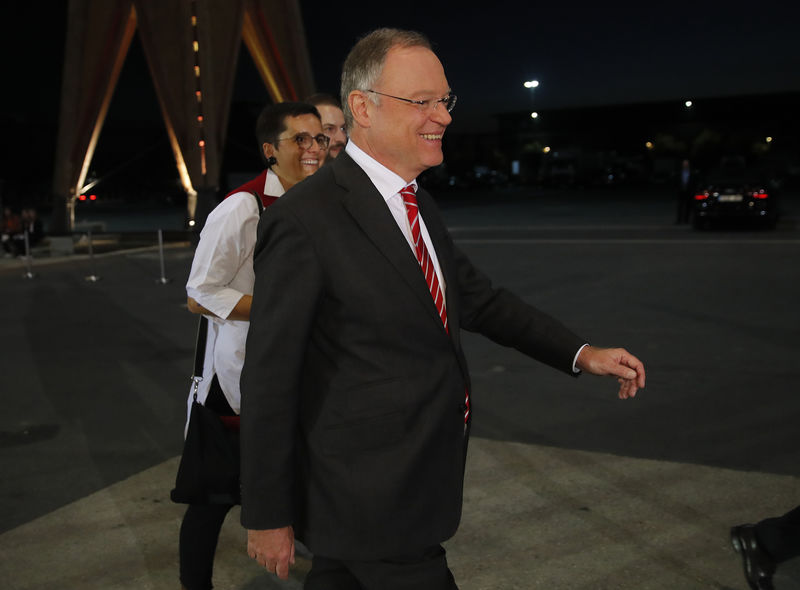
[387, 182]
[273, 186]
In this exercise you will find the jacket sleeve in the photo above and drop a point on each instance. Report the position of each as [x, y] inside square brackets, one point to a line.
[288, 281]
[505, 318]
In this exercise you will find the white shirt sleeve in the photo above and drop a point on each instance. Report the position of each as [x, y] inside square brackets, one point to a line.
[218, 278]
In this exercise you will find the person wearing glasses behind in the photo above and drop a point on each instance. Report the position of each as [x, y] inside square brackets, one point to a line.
[356, 398]
[220, 285]
[332, 122]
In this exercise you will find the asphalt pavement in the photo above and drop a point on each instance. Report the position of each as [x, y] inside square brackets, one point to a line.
[567, 487]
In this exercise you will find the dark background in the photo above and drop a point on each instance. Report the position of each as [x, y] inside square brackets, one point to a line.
[587, 56]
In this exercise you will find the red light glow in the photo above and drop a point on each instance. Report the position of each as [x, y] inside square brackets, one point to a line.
[760, 195]
[701, 196]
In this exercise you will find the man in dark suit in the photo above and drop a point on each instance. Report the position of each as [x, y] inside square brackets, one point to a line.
[355, 390]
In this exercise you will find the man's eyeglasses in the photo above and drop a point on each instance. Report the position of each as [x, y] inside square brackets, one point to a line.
[448, 101]
[304, 140]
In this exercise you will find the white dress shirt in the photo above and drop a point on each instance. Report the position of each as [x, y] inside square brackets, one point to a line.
[389, 186]
[222, 273]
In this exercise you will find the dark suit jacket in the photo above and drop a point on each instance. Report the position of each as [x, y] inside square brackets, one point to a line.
[352, 390]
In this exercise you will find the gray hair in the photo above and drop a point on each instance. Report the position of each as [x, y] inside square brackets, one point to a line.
[364, 63]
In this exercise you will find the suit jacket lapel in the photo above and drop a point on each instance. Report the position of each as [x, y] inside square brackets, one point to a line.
[368, 208]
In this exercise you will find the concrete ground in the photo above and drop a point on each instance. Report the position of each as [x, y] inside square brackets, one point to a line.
[566, 488]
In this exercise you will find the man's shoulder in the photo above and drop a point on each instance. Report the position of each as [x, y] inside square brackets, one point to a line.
[320, 189]
[340, 177]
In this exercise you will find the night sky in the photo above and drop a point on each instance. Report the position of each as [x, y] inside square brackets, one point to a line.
[582, 53]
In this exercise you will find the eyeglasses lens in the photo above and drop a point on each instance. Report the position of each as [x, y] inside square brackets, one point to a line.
[304, 140]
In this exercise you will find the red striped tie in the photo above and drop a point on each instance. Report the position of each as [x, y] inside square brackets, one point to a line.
[425, 262]
[424, 259]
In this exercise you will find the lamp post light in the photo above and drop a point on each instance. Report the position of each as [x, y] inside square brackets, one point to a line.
[532, 129]
[530, 85]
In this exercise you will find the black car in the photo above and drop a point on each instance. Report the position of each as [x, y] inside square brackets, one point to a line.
[735, 193]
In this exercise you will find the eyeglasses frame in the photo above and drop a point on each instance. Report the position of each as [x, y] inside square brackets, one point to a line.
[301, 137]
[421, 103]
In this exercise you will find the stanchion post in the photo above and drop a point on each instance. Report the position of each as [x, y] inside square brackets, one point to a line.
[92, 278]
[29, 274]
[163, 280]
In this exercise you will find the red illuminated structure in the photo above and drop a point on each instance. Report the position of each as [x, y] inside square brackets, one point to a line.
[191, 48]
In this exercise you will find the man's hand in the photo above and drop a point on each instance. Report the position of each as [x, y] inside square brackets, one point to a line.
[273, 549]
[617, 362]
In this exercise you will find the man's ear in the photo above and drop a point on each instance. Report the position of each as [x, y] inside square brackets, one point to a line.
[359, 106]
[268, 149]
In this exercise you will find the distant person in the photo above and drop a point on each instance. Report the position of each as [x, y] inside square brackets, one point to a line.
[30, 224]
[356, 408]
[11, 227]
[332, 122]
[765, 545]
[220, 286]
[686, 187]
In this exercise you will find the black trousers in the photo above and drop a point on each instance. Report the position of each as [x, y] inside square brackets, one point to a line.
[202, 522]
[426, 570]
[198, 543]
[780, 537]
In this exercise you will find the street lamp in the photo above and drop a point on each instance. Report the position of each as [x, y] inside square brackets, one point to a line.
[531, 84]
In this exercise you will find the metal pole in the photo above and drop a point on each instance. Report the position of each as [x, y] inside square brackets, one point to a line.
[92, 278]
[163, 280]
[29, 272]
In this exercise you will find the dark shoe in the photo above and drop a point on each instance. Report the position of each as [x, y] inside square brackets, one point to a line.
[758, 566]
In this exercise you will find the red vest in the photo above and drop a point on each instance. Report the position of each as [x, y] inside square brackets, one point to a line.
[256, 186]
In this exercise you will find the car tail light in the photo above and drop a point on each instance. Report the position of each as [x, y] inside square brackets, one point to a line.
[701, 196]
[760, 194]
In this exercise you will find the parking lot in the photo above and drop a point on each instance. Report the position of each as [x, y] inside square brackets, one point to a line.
[567, 486]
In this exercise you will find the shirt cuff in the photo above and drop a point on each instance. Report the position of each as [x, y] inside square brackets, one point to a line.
[575, 369]
[220, 303]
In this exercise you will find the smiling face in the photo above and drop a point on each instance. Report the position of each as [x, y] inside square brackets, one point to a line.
[294, 163]
[402, 136]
